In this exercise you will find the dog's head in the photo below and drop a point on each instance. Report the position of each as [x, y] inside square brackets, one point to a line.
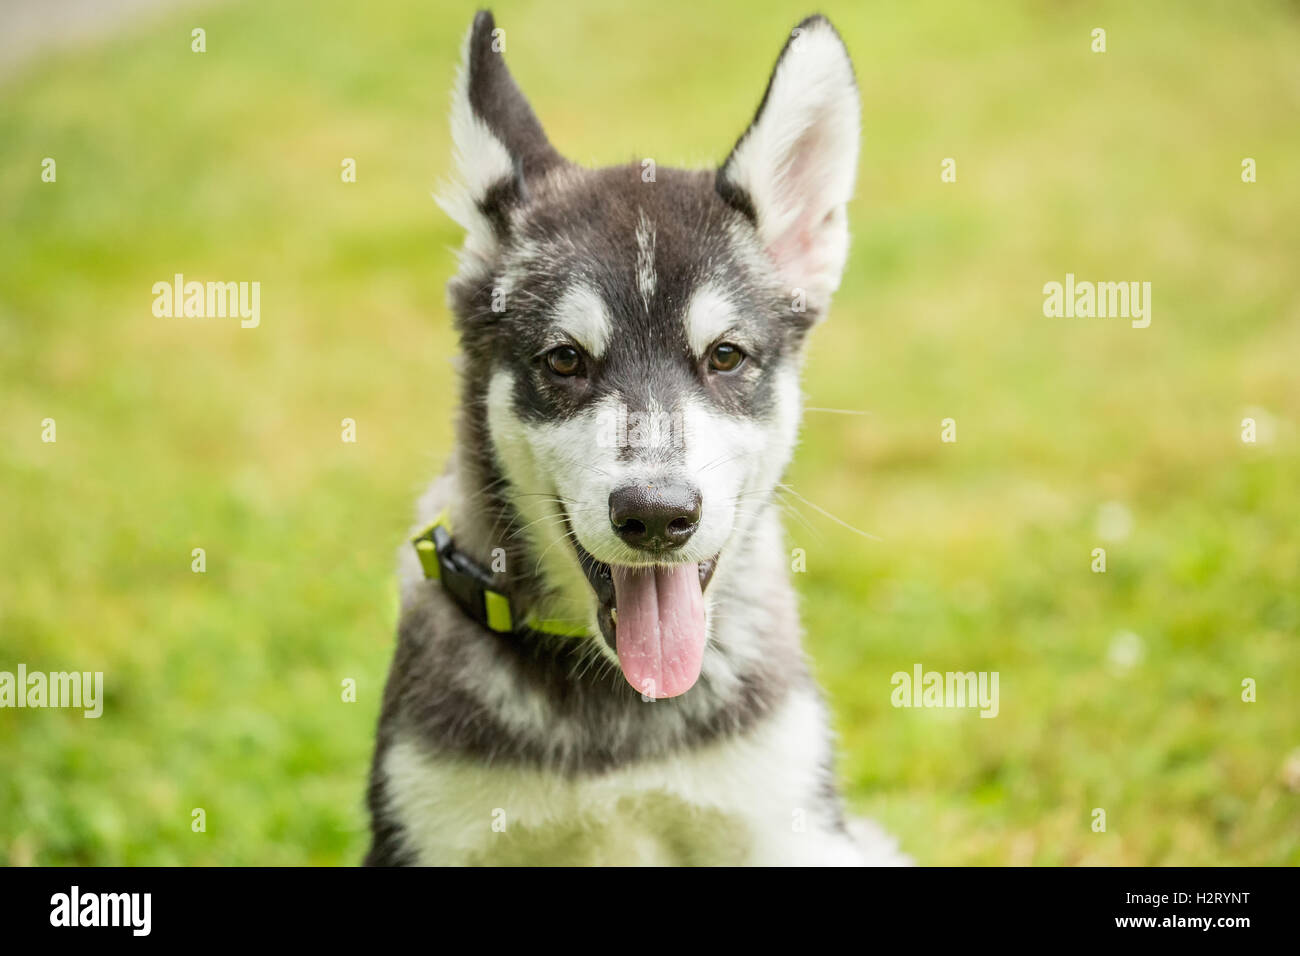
[633, 337]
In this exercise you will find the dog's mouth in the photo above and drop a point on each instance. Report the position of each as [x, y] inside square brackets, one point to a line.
[653, 618]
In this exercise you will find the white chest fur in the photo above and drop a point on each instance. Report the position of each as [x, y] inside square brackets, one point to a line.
[751, 799]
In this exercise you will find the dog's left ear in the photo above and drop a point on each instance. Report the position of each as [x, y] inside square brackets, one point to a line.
[792, 171]
[498, 142]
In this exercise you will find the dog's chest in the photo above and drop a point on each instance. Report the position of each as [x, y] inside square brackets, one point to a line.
[711, 806]
[648, 828]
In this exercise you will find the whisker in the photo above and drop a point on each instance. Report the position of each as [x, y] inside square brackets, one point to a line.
[548, 517]
[818, 508]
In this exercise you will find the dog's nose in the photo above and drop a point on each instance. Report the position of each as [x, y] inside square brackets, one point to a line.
[654, 517]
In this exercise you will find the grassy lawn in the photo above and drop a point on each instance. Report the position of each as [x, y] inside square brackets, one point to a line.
[1120, 691]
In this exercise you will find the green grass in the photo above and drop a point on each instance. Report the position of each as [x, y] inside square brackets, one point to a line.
[224, 688]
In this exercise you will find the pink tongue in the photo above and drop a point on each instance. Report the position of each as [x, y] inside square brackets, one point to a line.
[660, 629]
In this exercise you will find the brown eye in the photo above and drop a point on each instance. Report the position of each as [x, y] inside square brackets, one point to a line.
[725, 357]
[565, 360]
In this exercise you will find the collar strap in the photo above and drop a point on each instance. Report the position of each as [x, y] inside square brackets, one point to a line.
[472, 586]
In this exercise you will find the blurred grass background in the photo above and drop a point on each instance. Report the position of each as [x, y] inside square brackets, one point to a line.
[223, 689]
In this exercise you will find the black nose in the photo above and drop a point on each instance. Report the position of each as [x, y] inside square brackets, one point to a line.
[655, 517]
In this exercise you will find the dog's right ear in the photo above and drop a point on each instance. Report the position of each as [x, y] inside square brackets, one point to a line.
[498, 143]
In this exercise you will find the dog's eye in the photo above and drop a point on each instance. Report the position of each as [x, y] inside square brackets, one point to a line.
[565, 360]
[725, 357]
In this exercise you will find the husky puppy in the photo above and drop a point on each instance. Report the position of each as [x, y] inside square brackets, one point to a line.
[598, 658]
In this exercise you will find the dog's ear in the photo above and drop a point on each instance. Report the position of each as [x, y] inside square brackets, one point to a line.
[792, 171]
[498, 143]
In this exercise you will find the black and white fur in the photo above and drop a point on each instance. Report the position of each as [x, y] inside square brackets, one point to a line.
[499, 749]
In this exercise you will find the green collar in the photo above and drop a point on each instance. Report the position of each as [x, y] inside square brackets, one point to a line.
[473, 587]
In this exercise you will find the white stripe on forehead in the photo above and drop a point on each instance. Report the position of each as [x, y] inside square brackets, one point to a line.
[582, 315]
[708, 315]
[645, 258]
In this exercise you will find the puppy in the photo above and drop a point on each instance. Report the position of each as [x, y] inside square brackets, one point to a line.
[599, 656]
